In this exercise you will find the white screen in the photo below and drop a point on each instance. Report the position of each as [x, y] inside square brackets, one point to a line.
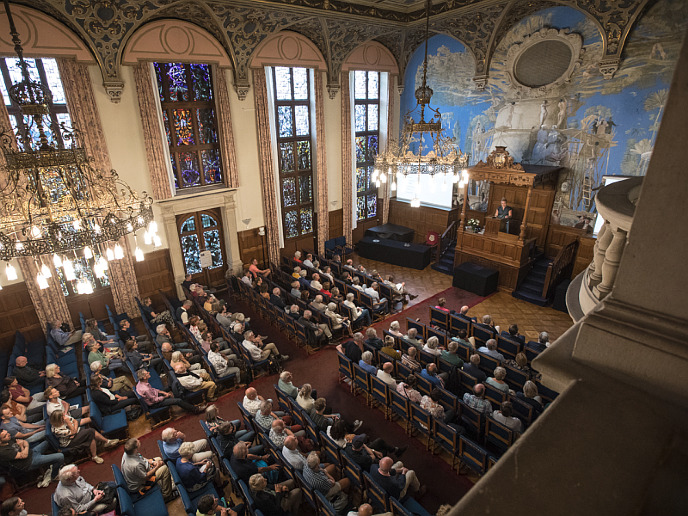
[433, 192]
[599, 220]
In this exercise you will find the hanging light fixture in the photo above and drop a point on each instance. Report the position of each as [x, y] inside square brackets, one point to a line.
[54, 200]
[10, 272]
[414, 154]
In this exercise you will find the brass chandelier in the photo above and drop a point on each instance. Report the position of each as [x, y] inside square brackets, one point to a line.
[53, 199]
[408, 156]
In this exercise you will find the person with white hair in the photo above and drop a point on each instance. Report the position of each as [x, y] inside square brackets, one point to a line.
[498, 380]
[338, 321]
[195, 474]
[173, 439]
[366, 363]
[297, 257]
[360, 315]
[412, 338]
[284, 498]
[318, 333]
[321, 480]
[394, 329]
[163, 335]
[74, 492]
[315, 282]
[259, 351]
[223, 364]
[432, 346]
[541, 344]
[286, 385]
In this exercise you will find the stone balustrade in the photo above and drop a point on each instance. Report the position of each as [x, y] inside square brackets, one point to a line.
[616, 205]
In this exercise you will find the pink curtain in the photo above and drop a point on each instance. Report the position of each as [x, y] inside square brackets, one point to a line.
[390, 118]
[347, 167]
[267, 173]
[224, 122]
[84, 113]
[323, 229]
[152, 139]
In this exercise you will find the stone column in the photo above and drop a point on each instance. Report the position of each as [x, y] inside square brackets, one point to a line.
[610, 265]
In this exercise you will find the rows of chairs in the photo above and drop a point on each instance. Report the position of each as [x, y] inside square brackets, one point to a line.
[331, 453]
[485, 439]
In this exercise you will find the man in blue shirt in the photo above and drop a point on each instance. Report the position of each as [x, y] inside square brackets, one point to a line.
[63, 338]
[366, 363]
[430, 374]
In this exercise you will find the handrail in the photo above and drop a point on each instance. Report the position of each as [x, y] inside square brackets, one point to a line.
[563, 259]
[443, 243]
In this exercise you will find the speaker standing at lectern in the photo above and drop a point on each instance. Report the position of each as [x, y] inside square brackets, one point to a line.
[504, 212]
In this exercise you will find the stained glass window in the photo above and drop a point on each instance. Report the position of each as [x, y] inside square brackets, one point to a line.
[44, 70]
[200, 232]
[366, 141]
[189, 117]
[293, 118]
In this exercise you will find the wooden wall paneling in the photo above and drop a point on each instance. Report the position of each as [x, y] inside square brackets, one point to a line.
[421, 220]
[251, 246]
[362, 227]
[336, 223]
[584, 255]
[90, 305]
[17, 314]
[153, 273]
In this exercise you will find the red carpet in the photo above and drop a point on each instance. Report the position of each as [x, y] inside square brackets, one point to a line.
[320, 369]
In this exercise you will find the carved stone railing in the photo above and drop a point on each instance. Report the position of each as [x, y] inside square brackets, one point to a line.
[616, 205]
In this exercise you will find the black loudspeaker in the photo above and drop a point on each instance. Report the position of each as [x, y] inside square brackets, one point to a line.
[476, 278]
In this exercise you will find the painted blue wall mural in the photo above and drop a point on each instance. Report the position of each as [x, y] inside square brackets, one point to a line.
[591, 126]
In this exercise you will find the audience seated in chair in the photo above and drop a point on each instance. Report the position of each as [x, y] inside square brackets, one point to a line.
[379, 305]
[321, 480]
[124, 335]
[385, 374]
[141, 474]
[390, 348]
[450, 354]
[156, 317]
[430, 373]
[78, 439]
[490, 348]
[513, 334]
[505, 416]
[31, 433]
[254, 345]
[541, 345]
[27, 375]
[361, 315]
[477, 400]
[410, 360]
[54, 403]
[408, 389]
[195, 474]
[366, 363]
[74, 492]
[155, 398]
[472, 368]
[19, 455]
[109, 402]
[373, 340]
[521, 363]
[498, 380]
[432, 346]
[396, 480]
[412, 338]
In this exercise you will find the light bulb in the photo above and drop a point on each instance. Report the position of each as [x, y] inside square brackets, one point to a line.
[119, 253]
[45, 270]
[96, 228]
[153, 227]
[36, 232]
[147, 238]
[41, 281]
[110, 254]
[88, 254]
[156, 241]
[140, 220]
[68, 268]
[77, 225]
[138, 254]
[19, 246]
[394, 186]
[98, 271]
[102, 262]
[11, 272]
[383, 178]
[377, 183]
[57, 261]
[88, 287]
[80, 287]
[130, 228]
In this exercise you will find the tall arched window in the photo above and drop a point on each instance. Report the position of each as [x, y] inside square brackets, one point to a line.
[188, 111]
[367, 134]
[293, 117]
[200, 234]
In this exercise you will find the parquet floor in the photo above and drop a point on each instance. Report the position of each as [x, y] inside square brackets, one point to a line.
[503, 308]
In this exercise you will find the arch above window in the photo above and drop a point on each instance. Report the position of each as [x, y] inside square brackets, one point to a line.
[174, 41]
[288, 49]
[371, 55]
[41, 36]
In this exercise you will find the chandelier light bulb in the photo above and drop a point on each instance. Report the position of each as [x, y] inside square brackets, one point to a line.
[110, 254]
[88, 254]
[45, 271]
[80, 287]
[68, 270]
[119, 253]
[394, 186]
[97, 229]
[147, 238]
[41, 281]
[36, 232]
[138, 253]
[130, 227]
[153, 227]
[102, 263]
[57, 261]
[389, 170]
[88, 287]
[140, 220]
[77, 225]
[383, 178]
[19, 246]
[377, 183]
[156, 241]
[98, 271]
[11, 272]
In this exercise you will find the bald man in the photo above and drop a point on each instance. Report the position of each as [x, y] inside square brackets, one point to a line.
[367, 510]
[396, 480]
[252, 401]
[385, 374]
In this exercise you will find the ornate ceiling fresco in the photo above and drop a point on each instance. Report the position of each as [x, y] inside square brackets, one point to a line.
[336, 27]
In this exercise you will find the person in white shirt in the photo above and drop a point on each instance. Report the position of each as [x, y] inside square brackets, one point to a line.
[224, 365]
[385, 374]
[308, 262]
[360, 314]
[252, 401]
[315, 281]
[259, 351]
[372, 291]
[505, 417]
[367, 510]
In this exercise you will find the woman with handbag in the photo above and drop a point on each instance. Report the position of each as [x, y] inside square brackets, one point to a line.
[75, 439]
[68, 387]
[196, 475]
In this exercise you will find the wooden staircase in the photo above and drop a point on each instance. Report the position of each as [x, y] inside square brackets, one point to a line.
[445, 264]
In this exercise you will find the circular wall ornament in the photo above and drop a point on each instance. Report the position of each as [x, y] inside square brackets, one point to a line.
[544, 60]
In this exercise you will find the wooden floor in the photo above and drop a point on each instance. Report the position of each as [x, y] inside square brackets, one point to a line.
[504, 309]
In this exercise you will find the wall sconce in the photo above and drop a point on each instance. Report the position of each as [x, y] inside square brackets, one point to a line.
[261, 231]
